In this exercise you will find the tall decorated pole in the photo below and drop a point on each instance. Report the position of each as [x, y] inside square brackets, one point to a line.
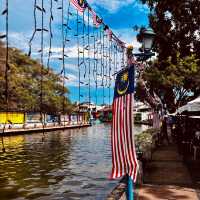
[130, 184]
[124, 159]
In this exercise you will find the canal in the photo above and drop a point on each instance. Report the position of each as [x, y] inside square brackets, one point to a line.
[71, 164]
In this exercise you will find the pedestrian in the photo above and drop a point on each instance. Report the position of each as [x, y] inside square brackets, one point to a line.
[196, 141]
[164, 131]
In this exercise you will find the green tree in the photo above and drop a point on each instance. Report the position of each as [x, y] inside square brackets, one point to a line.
[176, 24]
[24, 83]
[175, 84]
[175, 75]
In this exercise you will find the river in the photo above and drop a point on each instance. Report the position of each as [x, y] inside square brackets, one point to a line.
[71, 164]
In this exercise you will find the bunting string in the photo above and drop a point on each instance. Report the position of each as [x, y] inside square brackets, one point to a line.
[89, 66]
[78, 58]
[97, 40]
[50, 34]
[7, 58]
[35, 28]
[99, 52]
[42, 115]
[63, 57]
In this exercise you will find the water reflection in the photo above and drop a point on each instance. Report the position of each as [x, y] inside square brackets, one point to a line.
[72, 164]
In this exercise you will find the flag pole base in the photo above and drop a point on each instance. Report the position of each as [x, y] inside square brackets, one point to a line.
[130, 189]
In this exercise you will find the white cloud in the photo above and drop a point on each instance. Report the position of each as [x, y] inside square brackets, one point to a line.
[128, 36]
[114, 5]
[72, 80]
[19, 40]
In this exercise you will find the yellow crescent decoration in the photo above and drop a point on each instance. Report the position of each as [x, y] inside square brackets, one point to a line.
[121, 92]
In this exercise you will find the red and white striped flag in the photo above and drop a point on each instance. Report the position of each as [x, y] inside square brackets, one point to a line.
[97, 21]
[109, 33]
[80, 5]
[124, 159]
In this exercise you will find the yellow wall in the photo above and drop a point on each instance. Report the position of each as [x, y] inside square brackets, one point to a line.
[15, 118]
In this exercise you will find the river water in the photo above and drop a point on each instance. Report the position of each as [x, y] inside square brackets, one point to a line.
[71, 164]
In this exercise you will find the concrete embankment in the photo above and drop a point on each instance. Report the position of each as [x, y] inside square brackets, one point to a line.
[41, 129]
[119, 192]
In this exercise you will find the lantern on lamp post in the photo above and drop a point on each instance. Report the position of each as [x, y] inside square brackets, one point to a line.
[147, 39]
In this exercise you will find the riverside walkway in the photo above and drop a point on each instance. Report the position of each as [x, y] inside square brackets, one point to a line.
[167, 177]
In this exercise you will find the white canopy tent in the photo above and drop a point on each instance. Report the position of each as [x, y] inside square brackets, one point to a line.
[195, 101]
[192, 106]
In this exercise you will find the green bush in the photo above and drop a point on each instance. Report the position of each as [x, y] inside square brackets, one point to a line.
[145, 140]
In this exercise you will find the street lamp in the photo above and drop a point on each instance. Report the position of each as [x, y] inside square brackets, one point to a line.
[147, 36]
[147, 39]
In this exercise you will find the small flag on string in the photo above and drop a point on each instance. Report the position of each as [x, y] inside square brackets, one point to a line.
[124, 159]
[120, 43]
[80, 5]
[108, 32]
[96, 20]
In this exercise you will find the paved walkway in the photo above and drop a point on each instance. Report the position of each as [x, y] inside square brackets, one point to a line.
[166, 177]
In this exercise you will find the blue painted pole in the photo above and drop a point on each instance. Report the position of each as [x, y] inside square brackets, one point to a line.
[130, 193]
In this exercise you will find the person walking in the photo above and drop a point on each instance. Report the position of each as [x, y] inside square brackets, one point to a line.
[164, 131]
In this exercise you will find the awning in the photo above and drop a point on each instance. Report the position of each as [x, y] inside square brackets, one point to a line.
[192, 106]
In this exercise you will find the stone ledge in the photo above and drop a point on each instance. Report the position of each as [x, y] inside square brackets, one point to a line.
[119, 192]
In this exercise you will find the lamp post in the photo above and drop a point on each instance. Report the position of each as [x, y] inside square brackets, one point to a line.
[148, 39]
[147, 42]
[147, 36]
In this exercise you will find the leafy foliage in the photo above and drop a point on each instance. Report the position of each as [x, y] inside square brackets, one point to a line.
[24, 83]
[175, 83]
[175, 75]
[176, 24]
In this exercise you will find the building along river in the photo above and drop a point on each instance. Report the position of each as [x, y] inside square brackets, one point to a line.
[70, 164]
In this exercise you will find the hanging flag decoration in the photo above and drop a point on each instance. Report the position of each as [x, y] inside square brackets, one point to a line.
[124, 160]
[120, 43]
[80, 5]
[97, 21]
[108, 32]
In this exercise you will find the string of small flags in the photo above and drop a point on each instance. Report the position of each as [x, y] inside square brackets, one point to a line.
[82, 5]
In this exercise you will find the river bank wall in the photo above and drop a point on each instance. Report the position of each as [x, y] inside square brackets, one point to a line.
[39, 128]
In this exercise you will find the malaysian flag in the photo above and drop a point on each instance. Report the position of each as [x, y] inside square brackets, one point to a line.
[108, 32]
[96, 20]
[124, 159]
[80, 5]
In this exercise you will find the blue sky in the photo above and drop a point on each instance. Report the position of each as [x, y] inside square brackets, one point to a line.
[119, 15]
